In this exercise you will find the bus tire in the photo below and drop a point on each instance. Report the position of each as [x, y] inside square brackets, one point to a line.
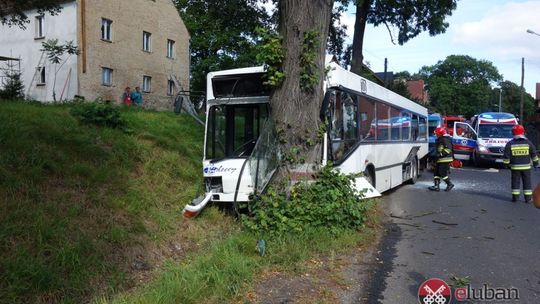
[414, 172]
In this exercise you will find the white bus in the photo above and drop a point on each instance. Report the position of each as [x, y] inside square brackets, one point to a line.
[371, 130]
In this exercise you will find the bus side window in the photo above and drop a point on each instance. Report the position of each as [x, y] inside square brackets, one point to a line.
[395, 120]
[422, 129]
[405, 126]
[367, 119]
[383, 122]
[414, 125]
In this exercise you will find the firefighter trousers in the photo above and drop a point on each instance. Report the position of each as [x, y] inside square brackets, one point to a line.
[441, 171]
[517, 177]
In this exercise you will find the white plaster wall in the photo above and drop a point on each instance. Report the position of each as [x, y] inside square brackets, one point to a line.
[19, 43]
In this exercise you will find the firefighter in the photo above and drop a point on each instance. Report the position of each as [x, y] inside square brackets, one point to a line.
[443, 158]
[518, 154]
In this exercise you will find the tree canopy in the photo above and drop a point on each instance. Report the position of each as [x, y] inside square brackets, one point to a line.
[510, 99]
[409, 17]
[12, 11]
[460, 84]
[223, 34]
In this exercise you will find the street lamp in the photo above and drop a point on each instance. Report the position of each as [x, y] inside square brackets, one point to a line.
[532, 32]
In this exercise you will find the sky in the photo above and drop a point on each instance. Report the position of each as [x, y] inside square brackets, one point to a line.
[492, 30]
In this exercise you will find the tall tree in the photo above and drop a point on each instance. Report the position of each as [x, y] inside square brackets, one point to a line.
[511, 98]
[223, 34]
[409, 17]
[304, 26]
[12, 12]
[460, 84]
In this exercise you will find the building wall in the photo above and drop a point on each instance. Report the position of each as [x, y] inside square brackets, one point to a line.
[23, 44]
[124, 53]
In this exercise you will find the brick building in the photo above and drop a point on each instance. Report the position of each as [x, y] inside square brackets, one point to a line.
[122, 43]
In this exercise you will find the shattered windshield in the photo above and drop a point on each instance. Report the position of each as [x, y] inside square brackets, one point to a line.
[233, 130]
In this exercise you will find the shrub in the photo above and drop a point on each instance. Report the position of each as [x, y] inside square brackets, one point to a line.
[330, 202]
[99, 113]
[12, 86]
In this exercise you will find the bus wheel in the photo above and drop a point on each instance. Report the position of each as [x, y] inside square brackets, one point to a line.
[368, 175]
[414, 172]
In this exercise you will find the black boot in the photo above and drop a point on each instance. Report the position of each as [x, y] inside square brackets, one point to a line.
[527, 199]
[515, 198]
[449, 185]
[435, 186]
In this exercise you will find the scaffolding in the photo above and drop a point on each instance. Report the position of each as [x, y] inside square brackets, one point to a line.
[8, 66]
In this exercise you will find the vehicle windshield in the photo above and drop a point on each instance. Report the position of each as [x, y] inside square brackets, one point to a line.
[433, 124]
[495, 131]
[233, 130]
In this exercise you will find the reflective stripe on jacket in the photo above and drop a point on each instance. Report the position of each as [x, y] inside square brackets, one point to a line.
[519, 153]
[444, 149]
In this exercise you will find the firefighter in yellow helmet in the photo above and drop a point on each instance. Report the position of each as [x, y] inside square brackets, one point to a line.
[518, 154]
[444, 157]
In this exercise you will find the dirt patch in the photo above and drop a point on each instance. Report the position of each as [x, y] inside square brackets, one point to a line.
[342, 278]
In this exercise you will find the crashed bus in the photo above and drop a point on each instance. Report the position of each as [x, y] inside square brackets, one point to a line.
[370, 130]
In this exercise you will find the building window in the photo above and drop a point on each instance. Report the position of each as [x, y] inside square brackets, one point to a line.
[147, 41]
[170, 88]
[147, 84]
[106, 29]
[170, 48]
[41, 76]
[40, 26]
[106, 76]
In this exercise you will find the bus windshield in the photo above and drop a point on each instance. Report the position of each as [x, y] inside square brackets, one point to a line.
[495, 131]
[233, 130]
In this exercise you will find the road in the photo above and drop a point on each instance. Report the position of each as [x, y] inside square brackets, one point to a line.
[473, 230]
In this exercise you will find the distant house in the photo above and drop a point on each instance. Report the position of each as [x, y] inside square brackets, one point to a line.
[417, 91]
[122, 43]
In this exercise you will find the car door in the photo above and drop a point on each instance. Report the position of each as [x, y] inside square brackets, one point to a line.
[463, 140]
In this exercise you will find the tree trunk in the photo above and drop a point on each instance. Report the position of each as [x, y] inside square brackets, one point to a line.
[296, 110]
[362, 9]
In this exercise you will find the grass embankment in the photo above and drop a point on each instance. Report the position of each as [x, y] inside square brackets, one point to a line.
[90, 214]
[79, 204]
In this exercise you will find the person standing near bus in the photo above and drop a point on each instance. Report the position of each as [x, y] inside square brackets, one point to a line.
[518, 154]
[443, 158]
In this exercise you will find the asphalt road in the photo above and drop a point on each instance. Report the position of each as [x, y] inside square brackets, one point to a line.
[473, 230]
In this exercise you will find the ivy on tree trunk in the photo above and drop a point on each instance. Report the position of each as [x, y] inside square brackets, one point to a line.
[295, 108]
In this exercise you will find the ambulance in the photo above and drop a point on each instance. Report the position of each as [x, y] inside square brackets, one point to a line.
[484, 140]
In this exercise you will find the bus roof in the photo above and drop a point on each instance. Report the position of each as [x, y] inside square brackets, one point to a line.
[336, 77]
[340, 77]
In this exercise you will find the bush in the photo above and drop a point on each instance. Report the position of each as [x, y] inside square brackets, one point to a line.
[12, 86]
[99, 113]
[330, 202]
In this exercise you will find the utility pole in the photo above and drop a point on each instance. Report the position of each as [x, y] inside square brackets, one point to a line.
[385, 72]
[522, 96]
[500, 98]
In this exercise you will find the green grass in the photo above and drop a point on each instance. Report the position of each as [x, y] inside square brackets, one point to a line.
[74, 198]
[225, 270]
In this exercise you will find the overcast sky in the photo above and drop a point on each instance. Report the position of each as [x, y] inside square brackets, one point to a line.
[494, 30]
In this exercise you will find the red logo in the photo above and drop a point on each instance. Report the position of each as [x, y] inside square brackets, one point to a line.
[434, 291]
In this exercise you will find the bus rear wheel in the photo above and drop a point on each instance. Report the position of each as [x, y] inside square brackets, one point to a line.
[414, 172]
